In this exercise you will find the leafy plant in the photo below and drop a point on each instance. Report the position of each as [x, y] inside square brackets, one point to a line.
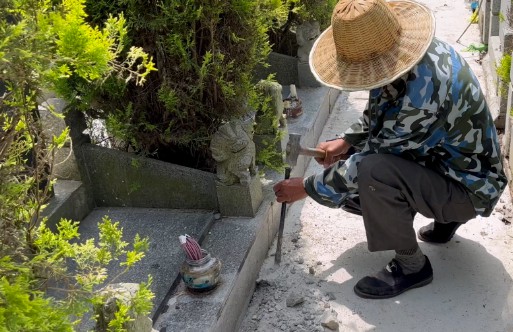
[25, 304]
[503, 71]
[269, 156]
[47, 46]
[502, 17]
[267, 125]
[282, 33]
[317, 10]
[205, 53]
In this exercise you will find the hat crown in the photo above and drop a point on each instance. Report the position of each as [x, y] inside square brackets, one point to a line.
[364, 29]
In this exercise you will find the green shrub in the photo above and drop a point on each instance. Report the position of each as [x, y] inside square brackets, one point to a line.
[503, 71]
[320, 11]
[267, 126]
[205, 53]
[47, 46]
[282, 32]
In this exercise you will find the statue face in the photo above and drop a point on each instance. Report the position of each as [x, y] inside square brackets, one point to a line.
[307, 33]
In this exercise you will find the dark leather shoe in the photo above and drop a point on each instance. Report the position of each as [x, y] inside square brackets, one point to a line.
[391, 281]
[437, 232]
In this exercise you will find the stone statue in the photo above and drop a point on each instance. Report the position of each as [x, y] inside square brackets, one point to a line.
[106, 311]
[265, 121]
[233, 149]
[306, 34]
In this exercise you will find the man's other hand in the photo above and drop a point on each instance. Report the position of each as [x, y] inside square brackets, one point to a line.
[335, 151]
[290, 190]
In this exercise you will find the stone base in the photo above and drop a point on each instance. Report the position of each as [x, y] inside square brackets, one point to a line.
[506, 139]
[494, 25]
[284, 67]
[305, 76]
[484, 21]
[500, 121]
[239, 200]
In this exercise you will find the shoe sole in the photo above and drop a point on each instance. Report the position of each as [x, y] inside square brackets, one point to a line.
[379, 297]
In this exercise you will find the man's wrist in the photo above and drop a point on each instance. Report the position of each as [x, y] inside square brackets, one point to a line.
[338, 136]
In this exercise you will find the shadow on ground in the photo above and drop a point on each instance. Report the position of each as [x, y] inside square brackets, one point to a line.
[470, 285]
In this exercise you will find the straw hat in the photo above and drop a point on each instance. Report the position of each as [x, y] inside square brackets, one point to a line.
[370, 43]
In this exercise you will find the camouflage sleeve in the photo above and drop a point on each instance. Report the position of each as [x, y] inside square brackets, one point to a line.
[336, 183]
[358, 133]
[407, 126]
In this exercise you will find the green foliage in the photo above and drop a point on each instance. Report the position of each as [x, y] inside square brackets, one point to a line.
[502, 17]
[317, 10]
[121, 317]
[141, 302]
[293, 12]
[47, 46]
[269, 156]
[267, 125]
[282, 32]
[503, 71]
[25, 305]
[205, 53]
[25, 309]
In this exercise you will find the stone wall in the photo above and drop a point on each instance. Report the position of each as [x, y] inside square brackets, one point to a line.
[123, 179]
[497, 33]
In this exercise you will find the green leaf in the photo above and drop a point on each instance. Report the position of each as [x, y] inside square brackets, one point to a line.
[142, 300]
[60, 140]
[20, 126]
[476, 48]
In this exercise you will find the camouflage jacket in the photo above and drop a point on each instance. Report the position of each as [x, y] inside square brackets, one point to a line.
[435, 115]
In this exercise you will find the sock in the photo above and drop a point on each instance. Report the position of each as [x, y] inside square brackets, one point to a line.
[411, 260]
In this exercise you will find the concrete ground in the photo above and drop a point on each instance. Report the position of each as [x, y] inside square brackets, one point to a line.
[325, 251]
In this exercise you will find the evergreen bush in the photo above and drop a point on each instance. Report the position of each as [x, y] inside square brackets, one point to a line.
[47, 46]
[503, 72]
[282, 32]
[205, 53]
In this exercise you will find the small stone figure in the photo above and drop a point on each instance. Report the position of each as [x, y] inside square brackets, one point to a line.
[306, 34]
[264, 122]
[113, 295]
[233, 148]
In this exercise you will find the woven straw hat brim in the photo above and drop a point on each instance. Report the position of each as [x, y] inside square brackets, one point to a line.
[418, 28]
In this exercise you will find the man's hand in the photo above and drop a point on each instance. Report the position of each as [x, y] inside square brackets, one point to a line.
[289, 191]
[335, 150]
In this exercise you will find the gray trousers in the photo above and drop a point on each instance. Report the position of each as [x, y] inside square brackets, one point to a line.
[392, 190]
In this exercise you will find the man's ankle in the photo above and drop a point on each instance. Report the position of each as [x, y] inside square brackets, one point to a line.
[411, 260]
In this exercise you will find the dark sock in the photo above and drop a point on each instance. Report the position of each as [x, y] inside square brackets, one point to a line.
[411, 260]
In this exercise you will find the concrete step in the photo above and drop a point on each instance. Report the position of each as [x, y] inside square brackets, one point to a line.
[70, 201]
